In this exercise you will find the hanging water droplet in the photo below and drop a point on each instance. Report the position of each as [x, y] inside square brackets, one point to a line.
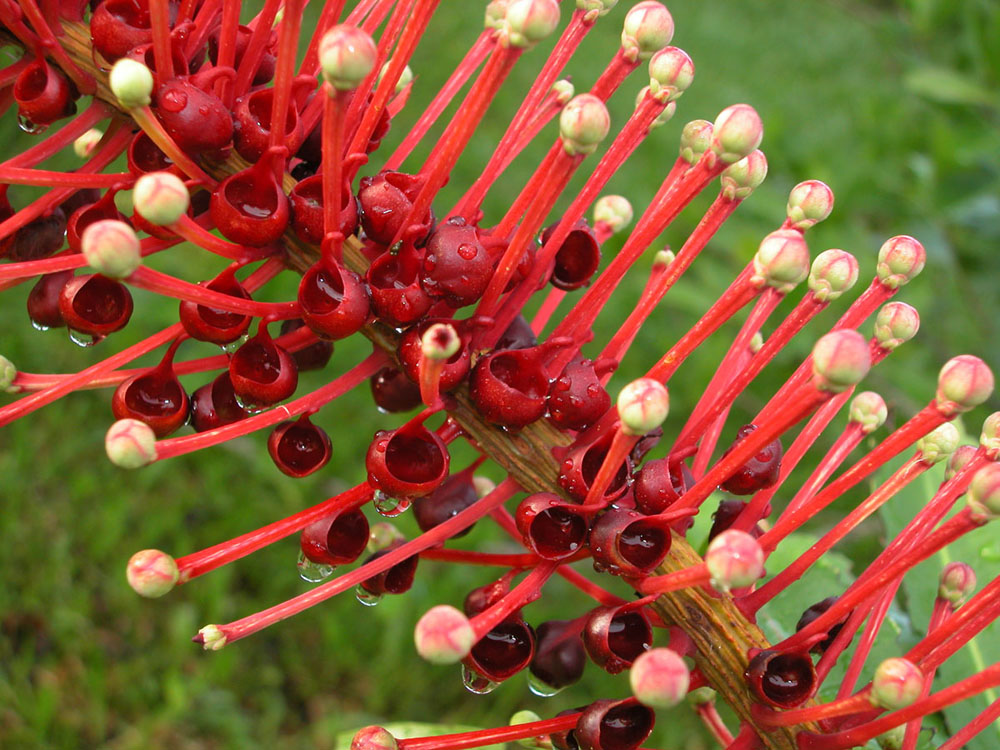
[387, 506]
[476, 683]
[29, 127]
[84, 339]
[540, 688]
[38, 326]
[248, 407]
[311, 572]
[366, 597]
[232, 346]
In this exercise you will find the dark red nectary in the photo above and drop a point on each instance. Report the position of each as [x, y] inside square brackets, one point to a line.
[625, 542]
[334, 300]
[815, 611]
[407, 462]
[781, 680]
[338, 539]
[313, 357]
[214, 405]
[306, 201]
[144, 53]
[299, 448]
[482, 598]
[517, 336]
[577, 258]
[580, 462]
[43, 93]
[95, 305]
[725, 516]
[759, 472]
[614, 725]
[455, 367]
[559, 654]
[576, 399]
[252, 123]
[396, 580]
[551, 527]
[509, 387]
[103, 208]
[265, 70]
[262, 372]
[39, 238]
[659, 483]
[197, 120]
[615, 636]
[457, 267]
[503, 651]
[144, 156]
[210, 324]
[394, 282]
[155, 397]
[386, 200]
[119, 25]
[454, 495]
[250, 207]
[43, 300]
[393, 391]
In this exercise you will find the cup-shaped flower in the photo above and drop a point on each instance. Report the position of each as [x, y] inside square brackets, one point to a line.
[299, 448]
[407, 462]
[210, 324]
[814, 611]
[504, 651]
[250, 207]
[262, 373]
[614, 725]
[454, 495]
[559, 658]
[338, 539]
[550, 527]
[760, 471]
[626, 542]
[396, 580]
[334, 299]
[155, 397]
[95, 305]
[615, 636]
[577, 398]
[781, 680]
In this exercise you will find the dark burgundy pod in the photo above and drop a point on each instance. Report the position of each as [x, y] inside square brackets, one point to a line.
[725, 516]
[40, 237]
[103, 208]
[456, 267]
[580, 462]
[455, 367]
[454, 495]
[299, 448]
[509, 387]
[614, 725]
[262, 372]
[43, 300]
[503, 651]
[394, 282]
[551, 527]
[215, 405]
[155, 397]
[338, 539]
[386, 200]
[645, 444]
[407, 462]
[393, 391]
[577, 258]
[559, 654]
[250, 207]
[815, 611]
[659, 483]
[313, 357]
[144, 53]
[482, 598]
[396, 580]
[43, 93]
[577, 399]
[615, 636]
[144, 156]
[306, 201]
[781, 680]
[252, 122]
[566, 739]
[119, 25]
[627, 543]
[95, 305]
[265, 70]
[197, 120]
[334, 300]
[517, 336]
[759, 472]
[210, 324]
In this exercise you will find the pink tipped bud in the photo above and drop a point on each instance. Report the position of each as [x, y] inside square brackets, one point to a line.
[161, 198]
[444, 635]
[131, 82]
[983, 496]
[346, 56]
[957, 461]
[696, 138]
[840, 360]
[741, 178]
[7, 374]
[671, 72]
[583, 124]
[896, 684]
[664, 258]
[833, 273]
[85, 145]
[613, 210]
[111, 248]
[900, 259]
[643, 405]
[374, 738]
[659, 678]
[211, 638]
[734, 560]
[782, 260]
[868, 409]
[564, 91]
[957, 582]
[130, 444]
[528, 22]
[665, 116]
[964, 383]
[989, 438]
[809, 203]
[151, 573]
[737, 131]
[440, 341]
[648, 27]
[939, 443]
[895, 324]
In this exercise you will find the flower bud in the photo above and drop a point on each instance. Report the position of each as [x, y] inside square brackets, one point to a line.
[130, 444]
[984, 493]
[7, 374]
[741, 178]
[840, 360]
[756, 342]
[737, 131]
[564, 91]
[734, 560]
[957, 461]
[613, 210]
[659, 678]
[583, 124]
[496, 11]
[957, 582]
[833, 273]
[444, 635]
[896, 684]
[600, 7]
[809, 203]
[111, 247]
[643, 405]
[895, 324]
[374, 738]
[782, 260]
[440, 342]
[696, 138]
[665, 116]
[131, 82]
[892, 739]
[151, 573]
[161, 198]
[528, 22]
[529, 717]
[483, 485]
[964, 383]
[405, 78]
[869, 410]
[989, 438]
[346, 56]
[648, 27]
[900, 259]
[664, 257]
[671, 72]
[701, 696]
[939, 443]
[211, 638]
[86, 144]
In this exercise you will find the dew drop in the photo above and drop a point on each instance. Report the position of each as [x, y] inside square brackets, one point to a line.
[29, 127]
[387, 506]
[311, 572]
[232, 346]
[38, 326]
[540, 688]
[476, 683]
[84, 339]
[366, 597]
[467, 251]
[248, 407]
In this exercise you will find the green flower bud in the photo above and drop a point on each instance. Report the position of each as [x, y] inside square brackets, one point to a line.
[897, 683]
[964, 383]
[809, 203]
[939, 443]
[957, 461]
[528, 22]
[840, 360]
[111, 248]
[564, 91]
[151, 573]
[583, 124]
[957, 582]
[444, 635]
[737, 131]
[7, 374]
[782, 260]
[895, 324]
[742, 177]
[211, 638]
[161, 198]
[374, 738]
[989, 438]
[833, 273]
[86, 144]
[130, 444]
[405, 78]
[868, 409]
[671, 72]
[648, 27]
[983, 496]
[440, 342]
[665, 116]
[696, 137]
[643, 405]
[659, 678]
[734, 560]
[613, 210]
[900, 259]
[131, 82]
[347, 55]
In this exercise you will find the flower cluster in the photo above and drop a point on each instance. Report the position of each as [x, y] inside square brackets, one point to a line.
[234, 143]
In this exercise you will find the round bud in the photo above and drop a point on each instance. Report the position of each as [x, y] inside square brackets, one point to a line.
[444, 635]
[734, 560]
[664, 258]
[833, 273]
[528, 22]
[405, 78]
[741, 178]
[892, 739]
[643, 405]
[7, 374]
[613, 210]
[896, 684]
[737, 131]
[666, 114]
[957, 582]
[989, 438]
[756, 342]
[583, 124]
[85, 145]
[151, 573]
[648, 27]
[782, 260]
[598, 7]
[983, 496]
[701, 696]
[900, 259]
[659, 678]
[564, 91]
[111, 247]
[483, 485]
[964, 383]
[496, 11]
[840, 360]
[211, 638]
[374, 738]
[895, 324]
[671, 71]
[809, 203]
[957, 461]
[868, 409]
[440, 342]
[131, 82]
[161, 198]
[346, 56]
[939, 443]
[130, 444]
[696, 138]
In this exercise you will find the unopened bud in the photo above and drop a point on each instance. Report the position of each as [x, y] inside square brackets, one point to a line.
[989, 438]
[111, 248]
[564, 91]
[741, 178]
[533, 743]
[659, 678]
[892, 739]
[405, 78]
[528, 22]
[374, 738]
[643, 405]
[613, 210]
[756, 342]
[964, 383]
[648, 27]
[900, 259]
[983, 496]
[957, 461]
[840, 360]
[440, 342]
[211, 638]
[734, 560]
[833, 273]
[85, 145]
[957, 582]
[131, 82]
[600, 7]
[896, 684]
[583, 124]
[130, 444]
[782, 261]
[161, 198]
[701, 696]
[151, 573]
[895, 324]
[7, 374]
[483, 485]
[809, 203]
[696, 137]
[664, 258]
[347, 55]
[671, 72]
[444, 635]
[737, 131]
[496, 11]
[868, 409]
[939, 443]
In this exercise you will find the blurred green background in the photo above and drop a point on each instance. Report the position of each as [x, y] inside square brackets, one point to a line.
[893, 103]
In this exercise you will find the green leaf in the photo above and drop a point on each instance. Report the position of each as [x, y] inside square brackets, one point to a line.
[947, 86]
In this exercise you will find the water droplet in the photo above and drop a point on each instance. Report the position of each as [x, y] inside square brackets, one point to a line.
[541, 689]
[476, 683]
[388, 506]
[366, 597]
[247, 406]
[467, 251]
[173, 100]
[29, 127]
[232, 346]
[311, 572]
[84, 339]
[593, 389]
[38, 326]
